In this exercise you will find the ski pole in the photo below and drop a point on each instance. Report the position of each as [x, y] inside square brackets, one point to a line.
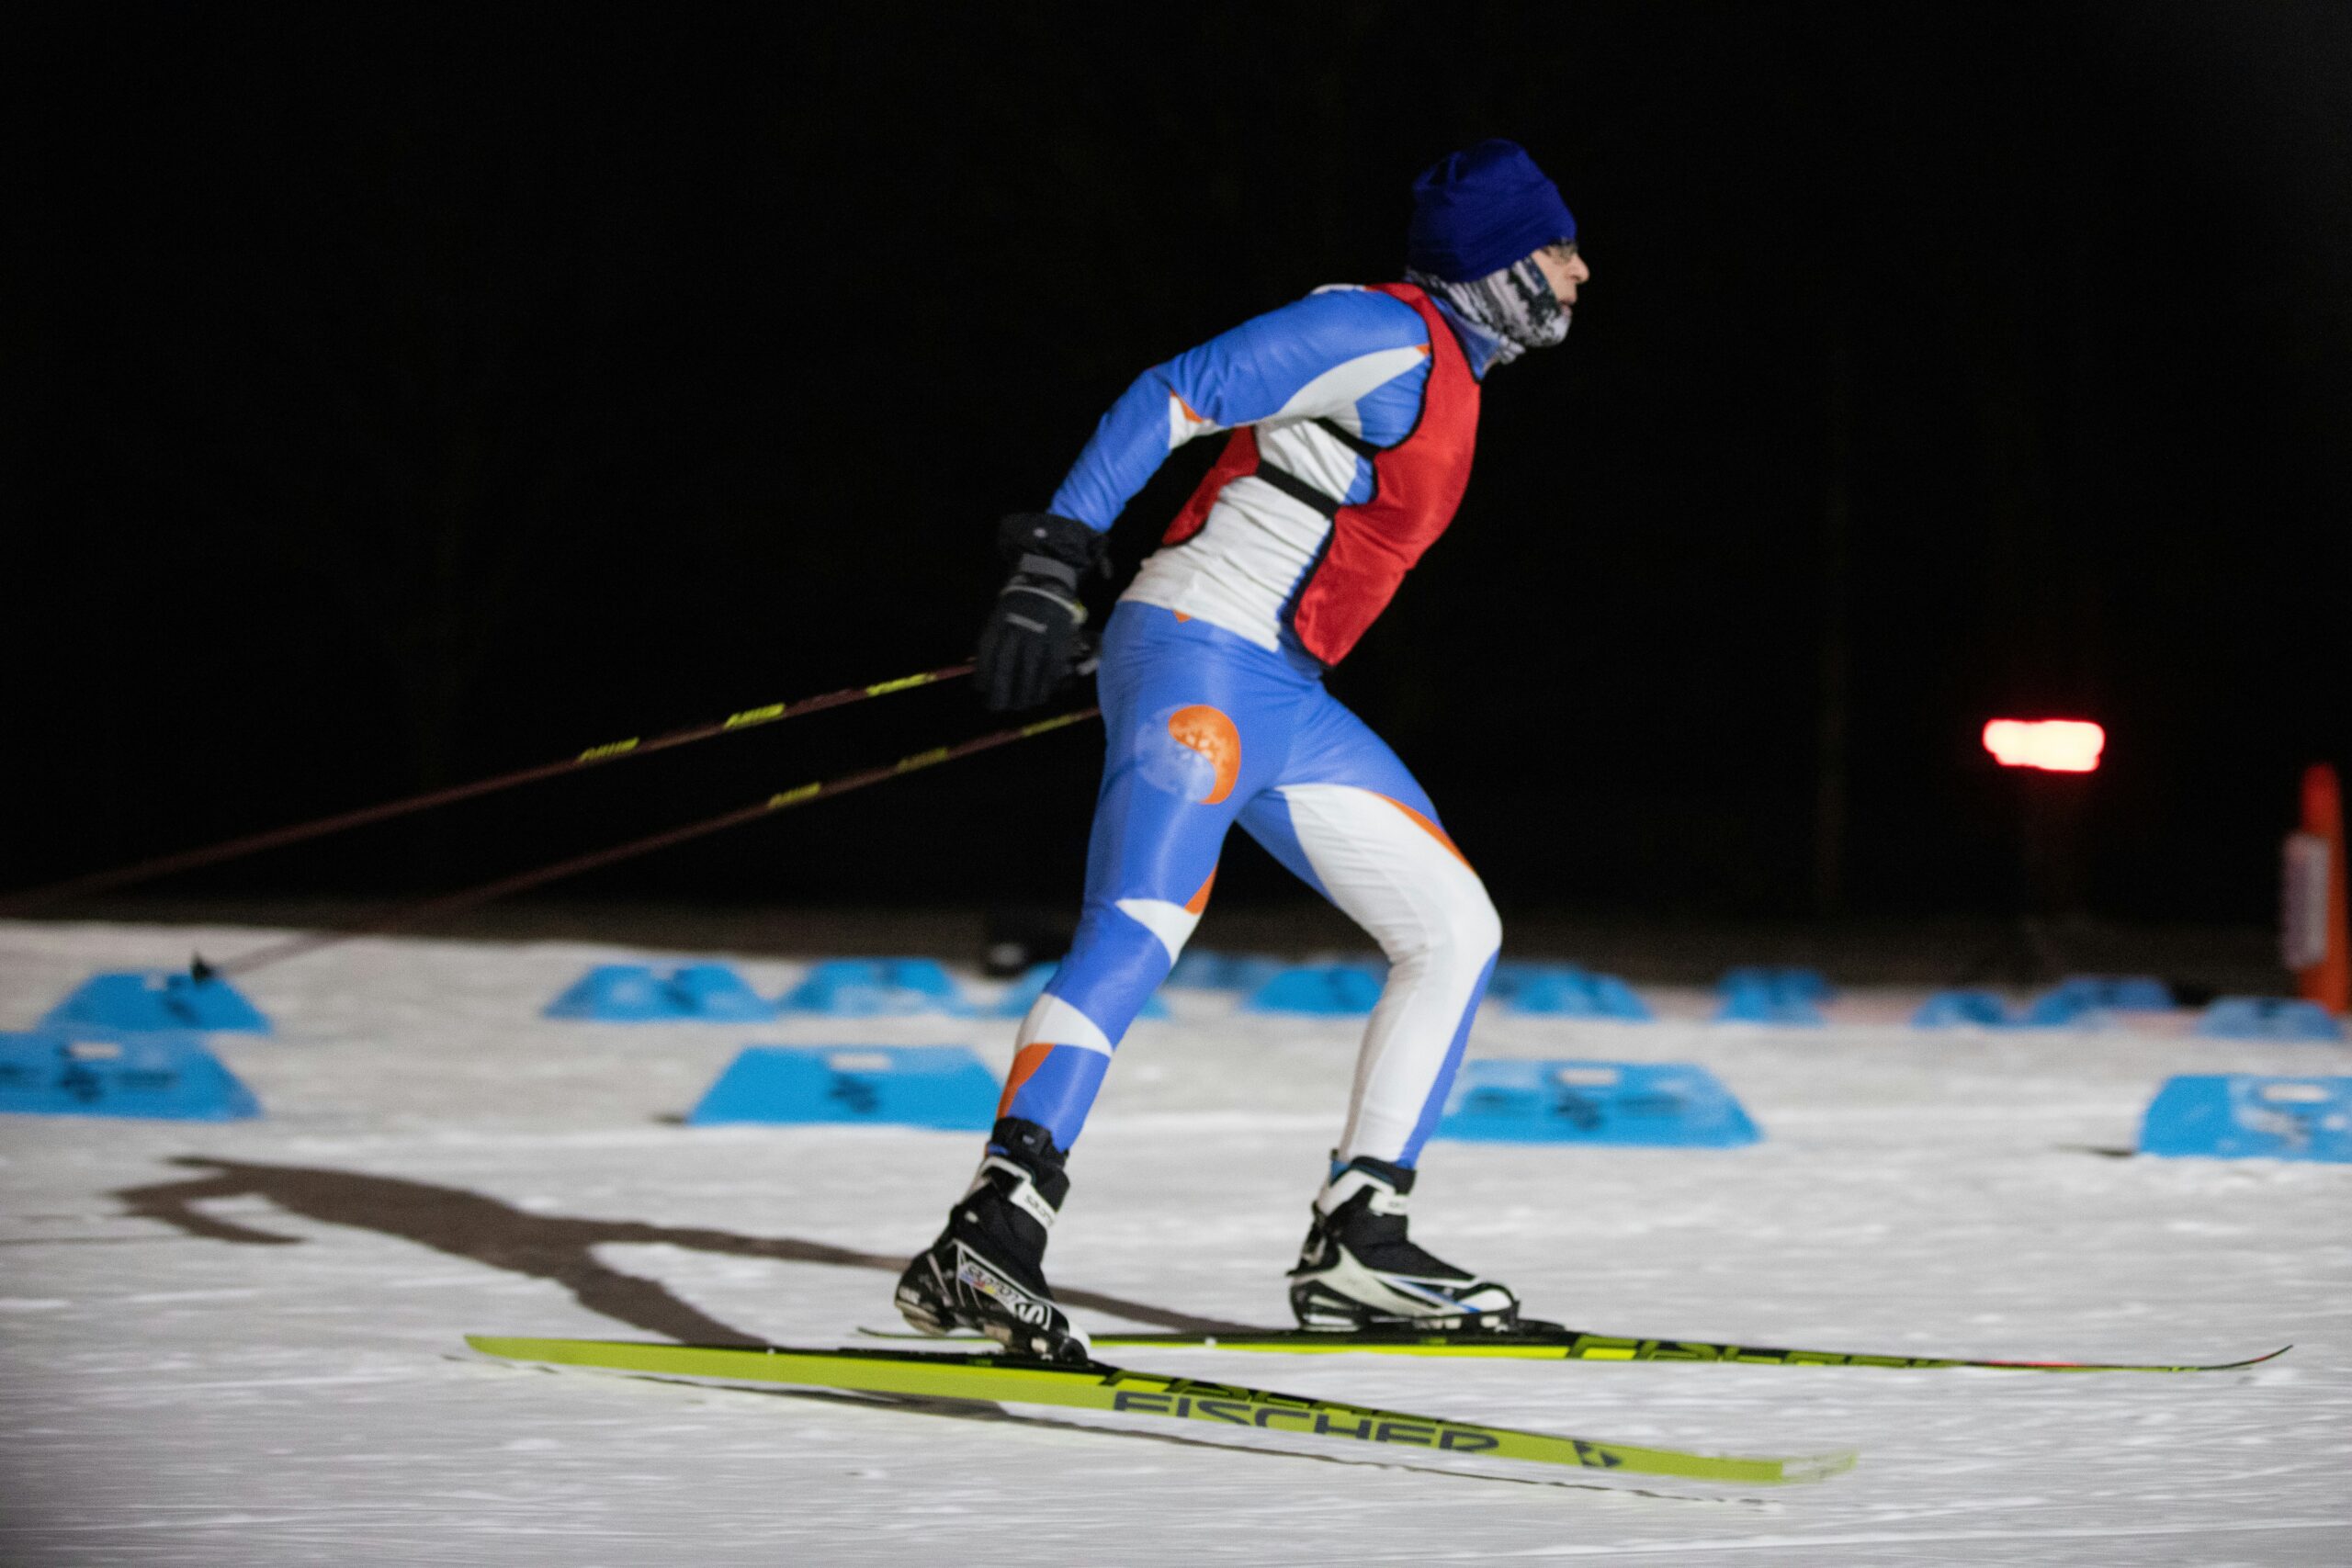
[610, 752]
[405, 915]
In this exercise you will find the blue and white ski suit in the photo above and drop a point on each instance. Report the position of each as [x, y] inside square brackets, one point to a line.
[1215, 713]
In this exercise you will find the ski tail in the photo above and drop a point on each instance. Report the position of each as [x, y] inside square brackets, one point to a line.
[1096, 1387]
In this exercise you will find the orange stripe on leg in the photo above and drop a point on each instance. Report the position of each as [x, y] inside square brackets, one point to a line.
[1432, 829]
[1026, 1063]
[1200, 901]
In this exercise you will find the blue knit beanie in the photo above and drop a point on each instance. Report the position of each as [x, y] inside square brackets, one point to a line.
[1480, 210]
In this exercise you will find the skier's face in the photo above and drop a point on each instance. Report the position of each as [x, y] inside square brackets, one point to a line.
[1563, 269]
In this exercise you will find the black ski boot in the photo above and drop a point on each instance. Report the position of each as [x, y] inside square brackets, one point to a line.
[1358, 1271]
[987, 1269]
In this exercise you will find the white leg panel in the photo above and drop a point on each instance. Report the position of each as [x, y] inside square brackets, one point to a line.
[1392, 872]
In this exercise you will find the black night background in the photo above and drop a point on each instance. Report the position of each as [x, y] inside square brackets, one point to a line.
[400, 395]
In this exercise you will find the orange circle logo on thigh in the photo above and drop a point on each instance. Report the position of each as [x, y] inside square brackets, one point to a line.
[1207, 731]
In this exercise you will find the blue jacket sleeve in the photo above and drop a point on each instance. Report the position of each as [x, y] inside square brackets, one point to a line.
[1281, 363]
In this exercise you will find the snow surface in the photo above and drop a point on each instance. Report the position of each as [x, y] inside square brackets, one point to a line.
[267, 1368]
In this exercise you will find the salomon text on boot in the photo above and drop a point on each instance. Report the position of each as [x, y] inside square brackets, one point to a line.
[987, 1269]
[1358, 1271]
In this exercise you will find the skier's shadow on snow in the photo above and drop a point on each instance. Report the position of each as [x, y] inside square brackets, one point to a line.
[545, 1246]
[483, 1230]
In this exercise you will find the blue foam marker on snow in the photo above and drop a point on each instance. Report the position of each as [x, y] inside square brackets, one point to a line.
[877, 987]
[1563, 990]
[2069, 1006]
[1962, 1010]
[1022, 993]
[148, 1000]
[615, 993]
[2133, 993]
[2082, 1000]
[1199, 969]
[1786, 997]
[902, 1085]
[1661, 1104]
[1795, 984]
[1327, 990]
[63, 1072]
[1616, 999]
[2268, 1017]
[1511, 974]
[639, 993]
[2247, 1116]
[715, 991]
[1207, 970]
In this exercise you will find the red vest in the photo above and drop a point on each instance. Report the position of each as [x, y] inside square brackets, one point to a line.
[1416, 486]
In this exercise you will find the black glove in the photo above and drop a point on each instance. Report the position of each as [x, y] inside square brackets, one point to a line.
[1033, 639]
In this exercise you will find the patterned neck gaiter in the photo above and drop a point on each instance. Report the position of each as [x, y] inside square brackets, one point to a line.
[1516, 305]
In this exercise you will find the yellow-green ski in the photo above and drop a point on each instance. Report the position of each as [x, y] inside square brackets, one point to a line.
[1575, 1345]
[1095, 1386]
[1549, 1342]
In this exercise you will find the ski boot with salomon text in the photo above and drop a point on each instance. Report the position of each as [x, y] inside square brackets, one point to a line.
[987, 1269]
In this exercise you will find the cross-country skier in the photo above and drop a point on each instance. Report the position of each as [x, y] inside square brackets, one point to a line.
[1352, 412]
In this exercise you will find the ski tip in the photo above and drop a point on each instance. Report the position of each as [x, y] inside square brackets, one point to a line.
[1819, 1467]
[2150, 1367]
[504, 1347]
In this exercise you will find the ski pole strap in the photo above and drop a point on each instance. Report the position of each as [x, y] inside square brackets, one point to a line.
[1297, 489]
[403, 916]
[609, 751]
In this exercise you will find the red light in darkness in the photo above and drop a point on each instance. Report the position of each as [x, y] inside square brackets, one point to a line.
[2053, 745]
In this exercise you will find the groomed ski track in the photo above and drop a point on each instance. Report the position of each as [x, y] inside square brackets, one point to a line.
[258, 1357]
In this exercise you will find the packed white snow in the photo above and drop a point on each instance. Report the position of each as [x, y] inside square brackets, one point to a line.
[265, 1366]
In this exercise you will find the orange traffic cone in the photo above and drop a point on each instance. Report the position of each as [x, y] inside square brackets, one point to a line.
[2318, 944]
